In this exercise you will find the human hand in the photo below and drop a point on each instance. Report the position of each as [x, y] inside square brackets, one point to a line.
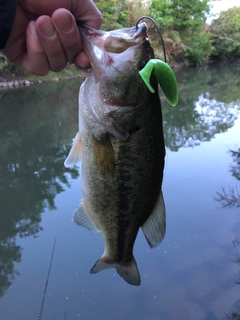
[45, 37]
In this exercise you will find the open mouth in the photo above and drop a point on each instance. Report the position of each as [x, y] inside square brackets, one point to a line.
[125, 33]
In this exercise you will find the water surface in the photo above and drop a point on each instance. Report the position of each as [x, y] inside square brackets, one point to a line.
[193, 274]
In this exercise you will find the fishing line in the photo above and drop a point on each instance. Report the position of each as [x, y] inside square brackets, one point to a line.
[46, 285]
[159, 32]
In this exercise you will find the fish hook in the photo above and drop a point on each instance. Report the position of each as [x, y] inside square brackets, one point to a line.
[159, 32]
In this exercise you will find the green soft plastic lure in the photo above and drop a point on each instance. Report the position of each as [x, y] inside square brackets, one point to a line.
[165, 78]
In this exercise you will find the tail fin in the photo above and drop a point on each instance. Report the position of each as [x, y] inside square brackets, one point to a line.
[128, 271]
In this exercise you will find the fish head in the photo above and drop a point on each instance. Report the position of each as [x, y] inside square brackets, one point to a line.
[116, 57]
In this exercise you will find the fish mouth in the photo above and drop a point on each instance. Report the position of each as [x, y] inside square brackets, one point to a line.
[125, 33]
[133, 32]
[114, 49]
[115, 41]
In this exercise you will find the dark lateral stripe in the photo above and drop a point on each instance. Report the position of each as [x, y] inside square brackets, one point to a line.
[124, 189]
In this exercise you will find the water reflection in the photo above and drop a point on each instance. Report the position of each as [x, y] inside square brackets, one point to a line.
[35, 124]
[232, 196]
[235, 315]
[208, 117]
[208, 104]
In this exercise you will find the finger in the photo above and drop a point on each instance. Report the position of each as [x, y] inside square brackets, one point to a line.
[88, 12]
[51, 43]
[68, 33]
[82, 61]
[35, 61]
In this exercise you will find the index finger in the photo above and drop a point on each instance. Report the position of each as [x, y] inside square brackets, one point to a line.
[88, 12]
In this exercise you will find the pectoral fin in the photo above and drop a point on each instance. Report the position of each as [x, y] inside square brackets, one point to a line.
[155, 227]
[81, 218]
[75, 153]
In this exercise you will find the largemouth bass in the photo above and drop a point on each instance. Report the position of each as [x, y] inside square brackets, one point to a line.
[120, 143]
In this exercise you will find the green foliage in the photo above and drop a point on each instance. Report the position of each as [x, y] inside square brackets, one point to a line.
[225, 33]
[122, 13]
[182, 22]
[198, 48]
[3, 62]
[108, 9]
[189, 16]
[123, 18]
[115, 14]
[136, 10]
[162, 12]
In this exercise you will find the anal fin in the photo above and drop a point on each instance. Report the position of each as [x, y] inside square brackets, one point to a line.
[75, 153]
[155, 227]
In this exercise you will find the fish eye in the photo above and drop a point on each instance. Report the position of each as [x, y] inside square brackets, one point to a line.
[142, 64]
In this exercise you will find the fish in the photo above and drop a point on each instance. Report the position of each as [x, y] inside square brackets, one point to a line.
[120, 145]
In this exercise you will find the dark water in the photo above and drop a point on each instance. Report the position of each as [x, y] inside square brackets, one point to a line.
[193, 274]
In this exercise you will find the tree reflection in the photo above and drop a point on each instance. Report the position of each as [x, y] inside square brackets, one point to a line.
[209, 103]
[207, 118]
[235, 167]
[231, 198]
[236, 314]
[35, 123]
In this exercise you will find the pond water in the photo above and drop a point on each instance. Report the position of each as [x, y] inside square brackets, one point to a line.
[45, 258]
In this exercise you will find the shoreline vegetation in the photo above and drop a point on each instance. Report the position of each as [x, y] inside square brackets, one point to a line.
[189, 41]
[15, 77]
